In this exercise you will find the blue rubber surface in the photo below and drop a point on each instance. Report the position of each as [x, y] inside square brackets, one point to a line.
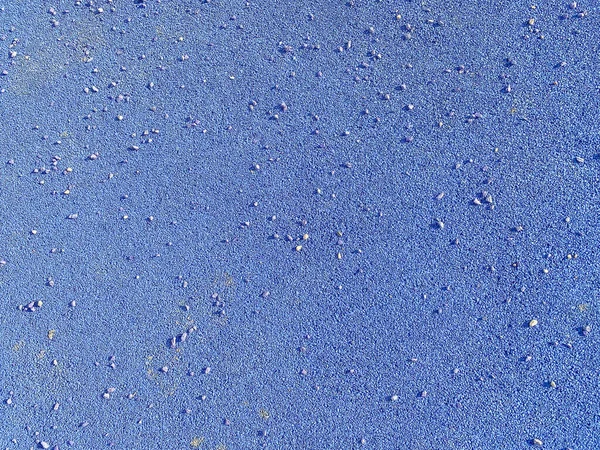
[299, 224]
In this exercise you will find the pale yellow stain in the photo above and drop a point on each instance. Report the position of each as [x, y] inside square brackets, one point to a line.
[196, 442]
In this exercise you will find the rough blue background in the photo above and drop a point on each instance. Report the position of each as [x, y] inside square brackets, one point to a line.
[244, 127]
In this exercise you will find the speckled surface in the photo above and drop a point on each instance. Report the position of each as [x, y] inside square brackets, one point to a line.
[299, 225]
